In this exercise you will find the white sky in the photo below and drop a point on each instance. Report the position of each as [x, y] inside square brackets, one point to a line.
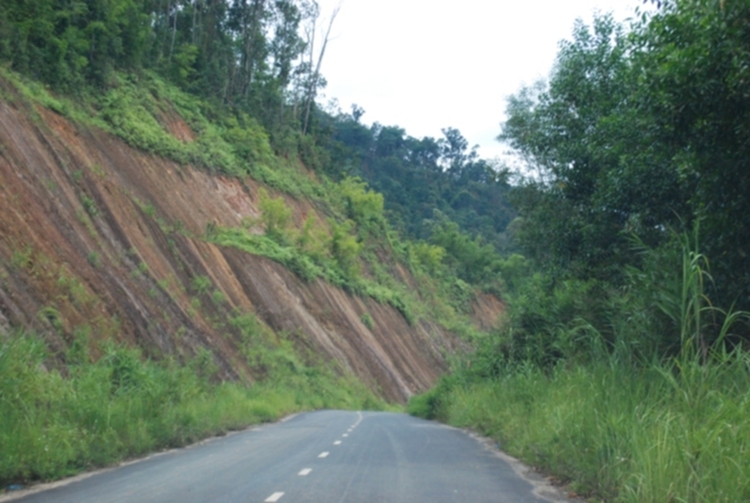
[429, 64]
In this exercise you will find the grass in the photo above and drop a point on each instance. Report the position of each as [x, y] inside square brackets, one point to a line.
[309, 268]
[652, 435]
[55, 422]
[134, 110]
[617, 426]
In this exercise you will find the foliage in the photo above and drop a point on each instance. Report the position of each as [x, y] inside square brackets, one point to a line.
[473, 261]
[415, 177]
[345, 248]
[276, 216]
[640, 133]
[628, 394]
[243, 55]
[615, 433]
[363, 206]
[120, 405]
[367, 320]
[427, 257]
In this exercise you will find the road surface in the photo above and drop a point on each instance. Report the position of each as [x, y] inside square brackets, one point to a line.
[325, 456]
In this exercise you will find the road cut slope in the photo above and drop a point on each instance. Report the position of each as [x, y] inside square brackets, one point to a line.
[101, 239]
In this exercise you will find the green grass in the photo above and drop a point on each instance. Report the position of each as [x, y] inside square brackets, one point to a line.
[55, 422]
[309, 268]
[616, 433]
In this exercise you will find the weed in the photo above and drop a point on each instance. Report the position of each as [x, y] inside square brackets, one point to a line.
[622, 434]
[367, 320]
[276, 216]
[98, 170]
[164, 284]
[50, 184]
[22, 259]
[218, 298]
[89, 205]
[94, 259]
[123, 405]
[201, 284]
[52, 316]
[74, 288]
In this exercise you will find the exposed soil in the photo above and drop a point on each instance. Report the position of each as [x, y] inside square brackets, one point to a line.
[487, 311]
[99, 238]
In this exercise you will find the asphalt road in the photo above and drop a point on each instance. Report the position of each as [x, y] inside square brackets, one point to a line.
[326, 456]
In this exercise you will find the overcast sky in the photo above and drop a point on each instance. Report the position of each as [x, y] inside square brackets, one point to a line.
[430, 64]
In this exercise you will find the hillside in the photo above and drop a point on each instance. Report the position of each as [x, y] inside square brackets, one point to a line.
[103, 239]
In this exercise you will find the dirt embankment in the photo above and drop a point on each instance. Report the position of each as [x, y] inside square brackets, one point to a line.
[99, 240]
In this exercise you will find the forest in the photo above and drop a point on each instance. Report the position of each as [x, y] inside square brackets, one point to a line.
[620, 250]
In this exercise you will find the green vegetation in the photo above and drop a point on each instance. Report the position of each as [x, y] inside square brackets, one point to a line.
[96, 411]
[622, 365]
[599, 408]
[421, 181]
[613, 432]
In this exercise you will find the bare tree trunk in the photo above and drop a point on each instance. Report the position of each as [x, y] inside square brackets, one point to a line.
[192, 29]
[312, 91]
[174, 32]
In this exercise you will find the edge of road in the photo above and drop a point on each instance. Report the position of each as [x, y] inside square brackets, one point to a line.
[544, 487]
[37, 487]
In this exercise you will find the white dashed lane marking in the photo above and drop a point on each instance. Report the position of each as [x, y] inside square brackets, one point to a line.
[345, 435]
[337, 442]
[274, 497]
[323, 454]
[305, 472]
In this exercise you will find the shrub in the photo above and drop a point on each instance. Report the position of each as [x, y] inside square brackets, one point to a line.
[276, 217]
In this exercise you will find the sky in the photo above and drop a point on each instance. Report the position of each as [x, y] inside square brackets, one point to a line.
[425, 65]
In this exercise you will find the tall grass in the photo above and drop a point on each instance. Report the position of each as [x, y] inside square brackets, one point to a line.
[612, 421]
[620, 434]
[56, 422]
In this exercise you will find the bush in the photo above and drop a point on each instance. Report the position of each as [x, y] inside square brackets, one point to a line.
[52, 425]
[276, 217]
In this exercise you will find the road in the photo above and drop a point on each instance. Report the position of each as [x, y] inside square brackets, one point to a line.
[325, 456]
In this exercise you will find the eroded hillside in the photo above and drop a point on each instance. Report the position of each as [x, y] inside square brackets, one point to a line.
[101, 241]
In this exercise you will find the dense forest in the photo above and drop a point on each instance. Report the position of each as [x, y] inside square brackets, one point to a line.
[425, 181]
[640, 136]
[240, 55]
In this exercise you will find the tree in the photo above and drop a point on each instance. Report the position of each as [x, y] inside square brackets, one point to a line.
[695, 63]
[602, 173]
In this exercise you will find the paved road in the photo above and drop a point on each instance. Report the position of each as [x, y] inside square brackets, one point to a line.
[326, 456]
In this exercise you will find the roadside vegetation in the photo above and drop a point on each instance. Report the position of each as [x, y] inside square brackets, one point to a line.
[601, 411]
[622, 367]
[93, 412]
